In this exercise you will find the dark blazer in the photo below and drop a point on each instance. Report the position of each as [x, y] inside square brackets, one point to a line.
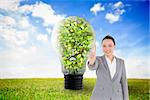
[107, 88]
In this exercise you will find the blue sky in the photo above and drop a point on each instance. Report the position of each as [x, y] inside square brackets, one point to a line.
[26, 27]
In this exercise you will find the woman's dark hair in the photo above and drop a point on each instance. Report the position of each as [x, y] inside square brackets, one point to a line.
[109, 37]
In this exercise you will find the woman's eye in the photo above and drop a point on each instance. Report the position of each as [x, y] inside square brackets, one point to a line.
[110, 45]
[104, 46]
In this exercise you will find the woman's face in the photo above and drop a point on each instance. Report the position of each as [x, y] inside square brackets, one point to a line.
[108, 47]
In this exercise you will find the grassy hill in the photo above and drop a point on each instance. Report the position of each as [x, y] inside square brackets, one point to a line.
[53, 89]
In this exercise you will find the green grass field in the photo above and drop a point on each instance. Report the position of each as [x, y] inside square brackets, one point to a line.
[53, 89]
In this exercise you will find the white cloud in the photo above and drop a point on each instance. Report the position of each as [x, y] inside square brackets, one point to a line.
[112, 17]
[44, 11]
[7, 20]
[24, 23]
[115, 14]
[26, 9]
[20, 36]
[118, 5]
[42, 37]
[13, 37]
[27, 62]
[96, 8]
[9, 4]
[15, 31]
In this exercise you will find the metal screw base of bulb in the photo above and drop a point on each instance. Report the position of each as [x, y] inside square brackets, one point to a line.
[73, 82]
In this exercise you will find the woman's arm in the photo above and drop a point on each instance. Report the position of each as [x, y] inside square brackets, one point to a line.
[124, 83]
[92, 62]
[93, 66]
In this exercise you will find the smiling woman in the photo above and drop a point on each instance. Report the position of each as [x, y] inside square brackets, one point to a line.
[111, 81]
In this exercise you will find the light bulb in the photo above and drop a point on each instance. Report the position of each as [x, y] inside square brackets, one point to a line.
[73, 39]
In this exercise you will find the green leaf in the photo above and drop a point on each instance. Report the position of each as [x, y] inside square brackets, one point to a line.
[75, 37]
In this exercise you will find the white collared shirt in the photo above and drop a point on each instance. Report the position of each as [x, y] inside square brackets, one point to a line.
[112, 66]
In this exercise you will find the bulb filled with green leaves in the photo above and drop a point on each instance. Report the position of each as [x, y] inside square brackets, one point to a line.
[75, 38]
